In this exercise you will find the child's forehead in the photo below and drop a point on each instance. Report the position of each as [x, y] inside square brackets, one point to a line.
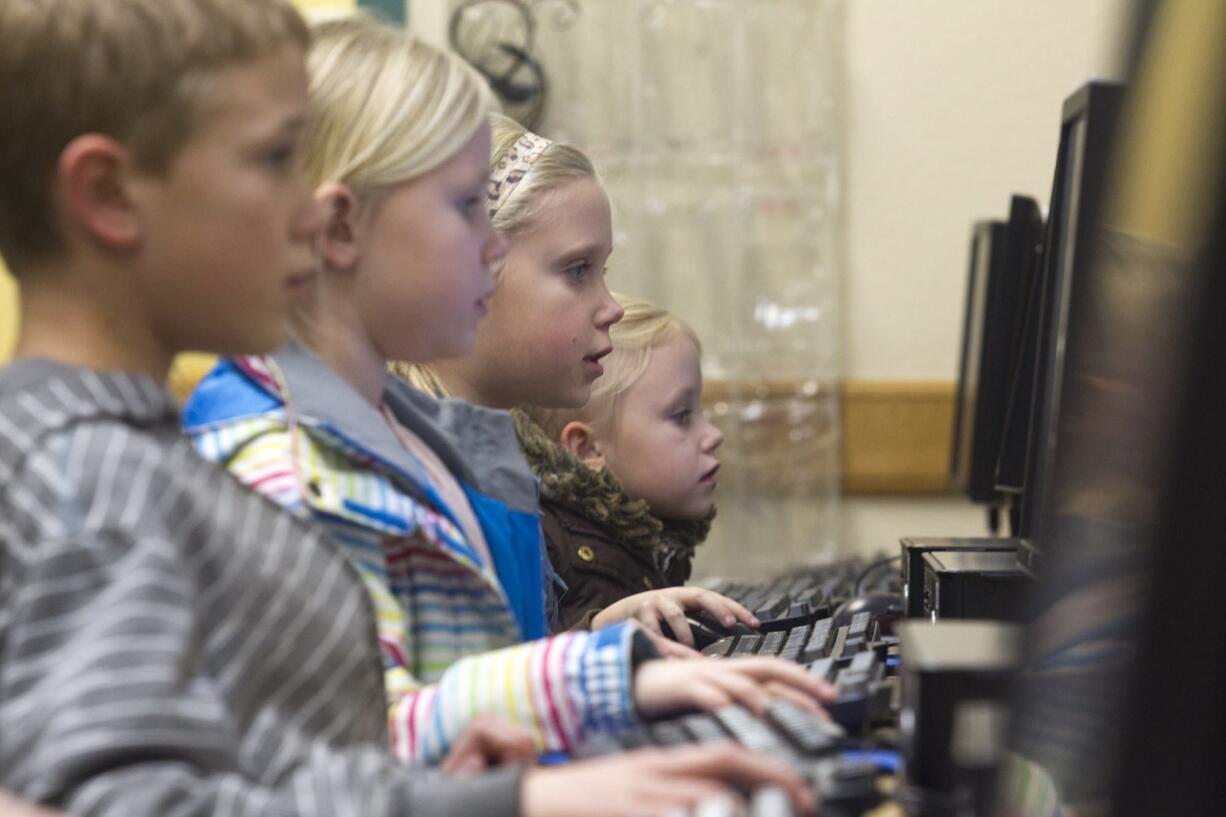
[268, 92]
[673, 367]
[276, 75]
[576, 213]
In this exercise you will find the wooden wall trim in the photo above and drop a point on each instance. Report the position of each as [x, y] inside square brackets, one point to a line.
[896, 436]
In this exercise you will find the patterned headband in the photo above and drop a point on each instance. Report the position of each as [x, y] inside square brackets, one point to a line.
[512, 167]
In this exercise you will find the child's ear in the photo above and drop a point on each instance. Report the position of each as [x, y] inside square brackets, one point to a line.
[338, 239]
[580, 440]
[92, 174]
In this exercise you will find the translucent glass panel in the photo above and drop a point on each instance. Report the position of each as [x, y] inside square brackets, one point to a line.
[714, 124]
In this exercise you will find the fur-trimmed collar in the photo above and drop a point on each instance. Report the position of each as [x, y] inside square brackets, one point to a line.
[598, 497]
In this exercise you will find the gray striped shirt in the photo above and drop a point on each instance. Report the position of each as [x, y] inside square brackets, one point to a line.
[171, 642]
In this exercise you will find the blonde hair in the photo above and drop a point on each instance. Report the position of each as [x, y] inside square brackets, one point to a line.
[386, 107]
[138, 71]
[644, 327]
[558, 164]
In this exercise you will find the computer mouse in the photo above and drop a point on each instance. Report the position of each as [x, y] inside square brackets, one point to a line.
[706, 629]
[882, 606]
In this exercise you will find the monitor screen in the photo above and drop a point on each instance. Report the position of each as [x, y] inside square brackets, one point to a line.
[1031, 422]
[1000, 273]
[962, 452]
[1120, 709]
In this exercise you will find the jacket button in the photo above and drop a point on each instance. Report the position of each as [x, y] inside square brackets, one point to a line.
[647, 583]
[585, 553]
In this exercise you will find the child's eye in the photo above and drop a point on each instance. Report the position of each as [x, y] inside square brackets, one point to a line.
[579, 272]
[281, 156]
[469, 205]
[683, 417]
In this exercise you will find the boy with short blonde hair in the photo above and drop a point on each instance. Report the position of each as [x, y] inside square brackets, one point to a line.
[141, 70]
[169, 641]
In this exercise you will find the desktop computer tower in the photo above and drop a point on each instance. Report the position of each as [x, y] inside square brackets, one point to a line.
[974, 584]
[913, 550]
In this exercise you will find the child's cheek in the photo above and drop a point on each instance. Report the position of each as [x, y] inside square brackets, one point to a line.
[558, 341]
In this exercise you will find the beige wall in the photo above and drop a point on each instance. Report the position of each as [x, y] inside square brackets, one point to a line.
[951, 106]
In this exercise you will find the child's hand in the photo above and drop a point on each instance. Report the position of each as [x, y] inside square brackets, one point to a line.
[664, 687]
[670, 604]
[653, 781]
[488, 741]
[669, 648]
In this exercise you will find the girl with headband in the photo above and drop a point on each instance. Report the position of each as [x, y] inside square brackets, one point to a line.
[547, 331]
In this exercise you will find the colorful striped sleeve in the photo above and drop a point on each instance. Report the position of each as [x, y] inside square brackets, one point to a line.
[561, 689]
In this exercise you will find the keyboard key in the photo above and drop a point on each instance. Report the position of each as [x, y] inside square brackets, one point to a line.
[840, 643]
[816, 600]
[795, 643]
[754, 734]
[819, 641]
[704, 728]
[751, 598]
[812, 734]
[797, 609]
[635, 738]
[772, 643]
[823, 668]
[773, 607]
[669, 733]
[747, 645]
[721, 648]
[857, 630]
[864, 662]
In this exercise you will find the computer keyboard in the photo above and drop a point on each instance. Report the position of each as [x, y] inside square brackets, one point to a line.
[840, 656]
[854, 652]
[812, 591]
[820, 751]
[802, 643]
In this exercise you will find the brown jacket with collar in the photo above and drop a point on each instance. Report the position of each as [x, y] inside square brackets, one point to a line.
[603, 544]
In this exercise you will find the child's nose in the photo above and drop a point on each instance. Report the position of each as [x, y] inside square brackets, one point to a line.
[311, 219]
[714, 437]
[495, 246]
[610, 310]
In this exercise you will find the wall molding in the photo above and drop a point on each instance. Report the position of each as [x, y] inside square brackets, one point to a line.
[896, 436]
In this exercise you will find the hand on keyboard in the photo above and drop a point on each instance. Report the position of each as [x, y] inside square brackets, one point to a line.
[488, 741]
[654, 781]
[665, 687]
[670, 606]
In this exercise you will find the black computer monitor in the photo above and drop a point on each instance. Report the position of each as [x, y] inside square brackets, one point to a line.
[1122, 705]
[1000, 272]
[1089, 117]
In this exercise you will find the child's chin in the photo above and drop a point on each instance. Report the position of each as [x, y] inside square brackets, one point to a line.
[691, 514]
